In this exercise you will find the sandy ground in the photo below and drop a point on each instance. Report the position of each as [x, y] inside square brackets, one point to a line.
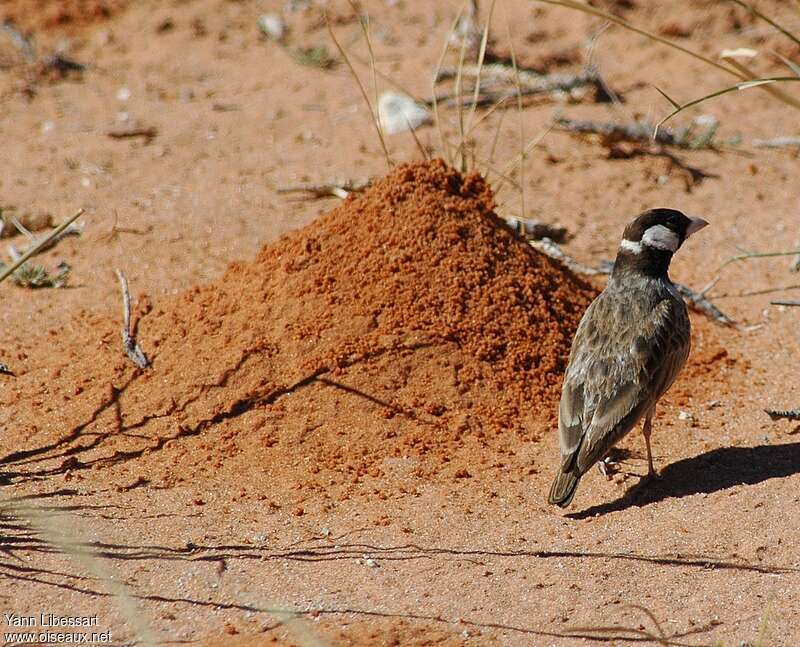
[705, 555]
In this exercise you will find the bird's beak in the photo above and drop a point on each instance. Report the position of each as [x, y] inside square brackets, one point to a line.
[695, 225]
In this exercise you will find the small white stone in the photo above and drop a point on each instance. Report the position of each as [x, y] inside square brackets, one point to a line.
[399, 112]
[272, 26]
[47, 126]
[123, 94]
[368, 561]
[685, 415]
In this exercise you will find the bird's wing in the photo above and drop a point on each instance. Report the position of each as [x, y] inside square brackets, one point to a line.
[625, 355]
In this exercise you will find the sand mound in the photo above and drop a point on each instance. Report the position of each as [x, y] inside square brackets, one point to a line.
[403, 327]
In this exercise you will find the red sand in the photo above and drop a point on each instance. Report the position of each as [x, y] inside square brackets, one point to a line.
[412, 307]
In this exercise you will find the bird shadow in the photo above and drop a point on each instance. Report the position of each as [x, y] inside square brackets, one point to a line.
[719, 469]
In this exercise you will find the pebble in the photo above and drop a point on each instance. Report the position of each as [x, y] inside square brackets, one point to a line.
[398, 113]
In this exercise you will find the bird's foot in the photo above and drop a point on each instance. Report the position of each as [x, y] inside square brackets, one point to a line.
[608, 467]
[651, 475]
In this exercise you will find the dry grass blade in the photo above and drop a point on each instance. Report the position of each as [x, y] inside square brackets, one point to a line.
[744, 85]
[526, 150]
[522, 151]
[758, 14]
[587, 9]
[743, 257]
[363, 20]
[769, 87]
[40, 245]
[363, 90]
[55, 532]
[443, 141]
[418, 143]
[459, 103]
[481, 56]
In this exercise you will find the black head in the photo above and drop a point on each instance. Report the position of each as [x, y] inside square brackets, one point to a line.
[651, 239]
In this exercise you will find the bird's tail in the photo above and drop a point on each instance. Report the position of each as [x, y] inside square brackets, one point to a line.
[563, 488]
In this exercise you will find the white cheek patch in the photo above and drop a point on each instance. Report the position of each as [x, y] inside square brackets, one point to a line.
[661, 237]
[630, 246]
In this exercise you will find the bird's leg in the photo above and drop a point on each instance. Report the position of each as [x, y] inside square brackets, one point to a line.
[607, 467]
[647, 429]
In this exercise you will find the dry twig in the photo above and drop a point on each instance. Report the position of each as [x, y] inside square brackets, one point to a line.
[148, 133]
[537, 230]
[132, 348]
[338, 189]
[786, 302]
[777, 142]
[35, 249]
[641, 133]
[695, 300]
[777, 414]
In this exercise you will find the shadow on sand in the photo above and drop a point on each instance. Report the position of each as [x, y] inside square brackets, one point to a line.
[713, 471]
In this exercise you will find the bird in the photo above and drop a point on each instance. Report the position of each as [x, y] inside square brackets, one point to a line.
[629, 347]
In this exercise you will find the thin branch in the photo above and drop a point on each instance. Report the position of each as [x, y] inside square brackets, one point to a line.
[696, 301]
[338, 189]
[777, 414]
[742, 257]
[32, 251]
[132, 348]
[777, 142]
[640, 132]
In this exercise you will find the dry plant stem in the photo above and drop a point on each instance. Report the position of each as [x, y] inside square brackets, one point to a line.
[444, 144]
[531, 82]
[481, 56]
[696, 301]
[771, 89]
[364, 22]
[638, 132]
[417, 142]
[785, 302]
[758, 14]
[363, 90]
[777, 414]
[71, 230]
[327, 189]
[521, 124]
[132, 349]
[743, 257]
[699, 303]
[148, 133]
[777, 142]
[742, 85]
[32, 251]
[585, 8]
[54, 531]
[527, 149]
[460, 105]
